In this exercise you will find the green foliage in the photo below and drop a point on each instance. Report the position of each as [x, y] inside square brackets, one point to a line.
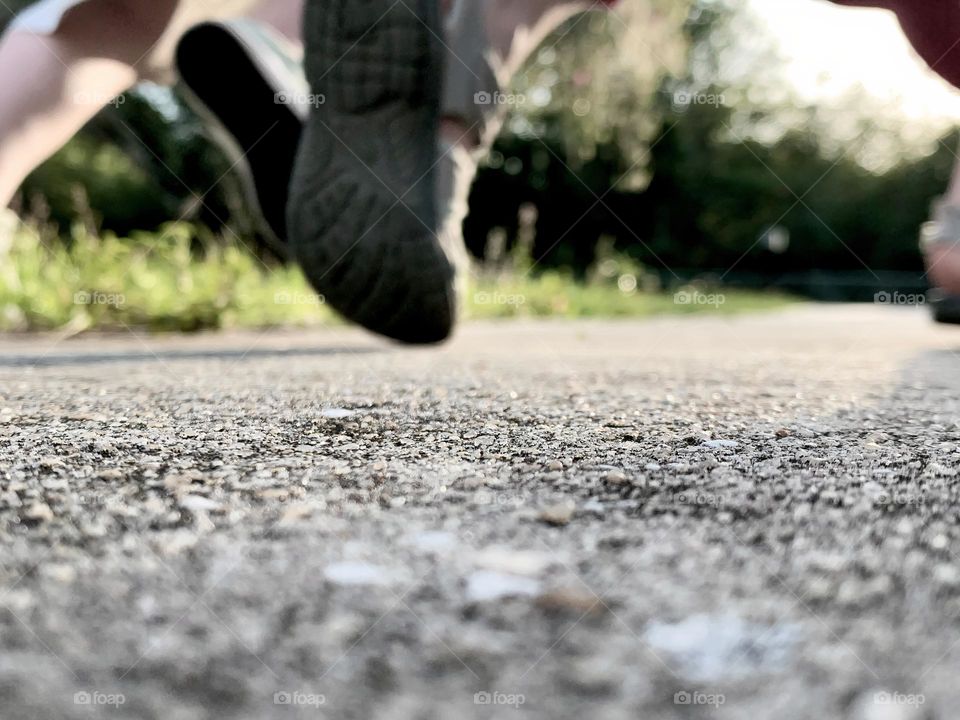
[719, 197]
[160, 281]
[181, 279]
[90, 174]
[591, 87]
[557, 294]
[723, 171]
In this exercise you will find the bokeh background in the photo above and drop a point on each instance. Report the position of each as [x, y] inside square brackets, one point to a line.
[791, 146]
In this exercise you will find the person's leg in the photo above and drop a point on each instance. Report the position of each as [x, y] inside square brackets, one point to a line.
[478, 65]
[284, 16]
[514, 29]
[61, 80]
[374, 206]
[481, 62]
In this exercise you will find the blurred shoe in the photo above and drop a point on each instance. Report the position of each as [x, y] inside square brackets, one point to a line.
[246, 82]
[363, 215]
[940, 244]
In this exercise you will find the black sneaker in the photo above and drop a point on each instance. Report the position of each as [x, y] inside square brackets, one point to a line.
[246, 82]
[362, 217]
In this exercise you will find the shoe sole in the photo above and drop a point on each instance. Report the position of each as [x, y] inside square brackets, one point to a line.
[946, 308]
[238, 104]
[362, 217]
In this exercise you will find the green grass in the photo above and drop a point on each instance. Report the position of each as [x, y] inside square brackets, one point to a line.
[163, 282]
[553, 294]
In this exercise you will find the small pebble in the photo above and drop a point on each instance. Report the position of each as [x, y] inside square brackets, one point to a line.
[38, 512]
[559, 514]
[616, 477]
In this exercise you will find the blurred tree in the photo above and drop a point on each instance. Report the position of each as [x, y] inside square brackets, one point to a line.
[847, 186]
[587, 123]
[593, 85]
[734, 155]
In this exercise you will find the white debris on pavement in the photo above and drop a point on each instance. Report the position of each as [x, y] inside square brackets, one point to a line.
[355, 573]
[486, 585]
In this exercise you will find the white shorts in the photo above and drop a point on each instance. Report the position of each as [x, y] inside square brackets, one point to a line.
[45, 16]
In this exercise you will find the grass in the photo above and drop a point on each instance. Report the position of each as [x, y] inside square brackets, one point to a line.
[162, 282]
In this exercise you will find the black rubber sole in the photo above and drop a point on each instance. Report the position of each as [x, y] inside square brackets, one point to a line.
[946, 308]
[231, 88]
[362, 217]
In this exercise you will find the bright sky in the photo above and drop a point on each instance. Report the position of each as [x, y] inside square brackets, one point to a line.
[832, 49]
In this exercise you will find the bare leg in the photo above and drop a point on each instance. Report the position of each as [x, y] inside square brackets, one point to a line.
[285, 16]
[509, 31]
[62, 80]
[513, 31]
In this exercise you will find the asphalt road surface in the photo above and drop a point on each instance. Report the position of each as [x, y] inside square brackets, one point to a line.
[679, 518]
